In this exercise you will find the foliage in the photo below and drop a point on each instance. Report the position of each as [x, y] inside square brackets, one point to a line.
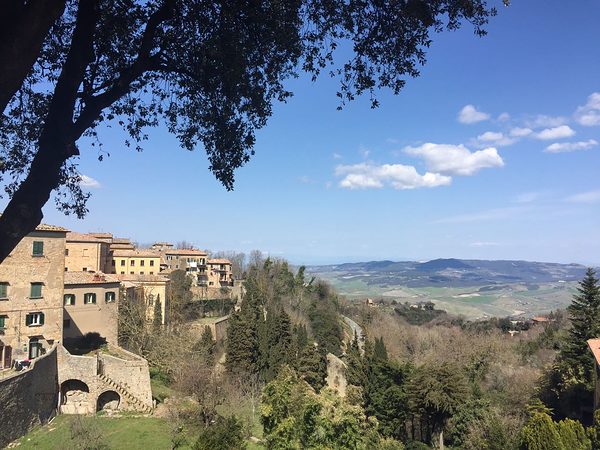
[541, 433]
[294, 416]
[86, 435]
[573, 435]
[435, 393]
[179, 296]
[157, 318]
[224, 434]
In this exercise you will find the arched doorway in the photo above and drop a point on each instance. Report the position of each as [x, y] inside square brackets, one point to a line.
[108, 401]
[75, 397]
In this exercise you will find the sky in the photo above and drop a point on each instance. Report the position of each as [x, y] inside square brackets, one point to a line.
[492, 153]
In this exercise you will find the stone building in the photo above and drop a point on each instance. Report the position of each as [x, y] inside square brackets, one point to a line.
[219, 273]
[90, 305]
[31, 295]
[135, 262]
[85, 252]
[147, 289]
[193, 261]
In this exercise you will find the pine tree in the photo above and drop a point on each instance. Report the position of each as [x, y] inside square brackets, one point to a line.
[207, 345]
[584, 313]
[242, 346]
[355, 365]
[541, 433]
[379, 350]
[312, 367]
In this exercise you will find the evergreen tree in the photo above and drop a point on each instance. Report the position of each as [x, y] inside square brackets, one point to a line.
[379, 350]
[242, 346]
[584, 313]
[157, 316]
[573, 435]
[208, 346]
[312, 367]
[541, 433]
[355, 364]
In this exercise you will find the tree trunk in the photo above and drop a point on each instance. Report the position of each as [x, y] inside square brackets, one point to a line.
[23, 28]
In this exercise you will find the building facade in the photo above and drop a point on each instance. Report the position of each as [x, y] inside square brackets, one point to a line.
[90, 306]
[31, 295]
[147, 290]
[85, 252]
[219, 273]
[191, 260]
[135, 262]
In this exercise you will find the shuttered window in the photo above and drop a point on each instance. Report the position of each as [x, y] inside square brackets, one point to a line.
[38, 248]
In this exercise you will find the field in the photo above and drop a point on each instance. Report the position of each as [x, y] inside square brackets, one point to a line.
[472, 302]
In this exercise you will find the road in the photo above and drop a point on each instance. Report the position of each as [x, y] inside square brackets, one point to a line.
[356, 329]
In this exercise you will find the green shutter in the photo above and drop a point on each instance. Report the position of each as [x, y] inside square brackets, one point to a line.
[38, 248]
[3, 290]
[2, 321]
[41, 318]
[28, 319]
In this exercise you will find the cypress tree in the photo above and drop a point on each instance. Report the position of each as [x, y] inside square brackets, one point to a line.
[541, 433]
[157, 317]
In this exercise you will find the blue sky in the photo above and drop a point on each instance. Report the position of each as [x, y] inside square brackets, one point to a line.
[492, 153]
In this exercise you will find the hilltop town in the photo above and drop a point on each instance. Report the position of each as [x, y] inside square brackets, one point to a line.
[60, 296]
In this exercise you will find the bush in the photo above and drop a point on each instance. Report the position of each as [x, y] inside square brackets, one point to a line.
[225, 434]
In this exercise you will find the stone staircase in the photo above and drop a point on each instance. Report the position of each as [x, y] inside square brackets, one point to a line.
[132, 400]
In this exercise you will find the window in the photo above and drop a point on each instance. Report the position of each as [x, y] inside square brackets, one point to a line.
[89, 298]
[131, 273]
[151, 263]
[67, 323]
[132, 263]
[85, 252]
[109, 297]
[113, 263]
[38, 248]
[85, 269]
[69, 299]
[34, 319]
[66, 252]
[142, 262]
[142, 272]
[122, 262]
[122, 272]
[3, 322]
[66, 269]
[151, 273]
[151, 299]
[3, 290]
[36, 290]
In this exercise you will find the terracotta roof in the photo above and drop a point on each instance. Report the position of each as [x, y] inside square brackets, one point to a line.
[121, 241]
[81, 237]
[185, 251]
[89, 278]
[46, 227]
[123, 246]
[219, 261]
[137, 278]
[594, 345]
[101, 235]
[136, 253]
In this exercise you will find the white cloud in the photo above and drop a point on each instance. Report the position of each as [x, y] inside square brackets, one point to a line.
[469, 114]
[456, 159]
[495, 138]
[570, 146]
[337, 156]
[520, 132]
[585, 197]
[89, 182]
[589, 114]
[560, 132]
[504, 117]
[398, 176]
[490, 136]
[543, 121]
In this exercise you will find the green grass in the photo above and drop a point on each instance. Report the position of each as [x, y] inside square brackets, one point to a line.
[127, 433]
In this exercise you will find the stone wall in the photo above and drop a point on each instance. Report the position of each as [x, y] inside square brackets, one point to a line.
[84, 380]
[28, 398]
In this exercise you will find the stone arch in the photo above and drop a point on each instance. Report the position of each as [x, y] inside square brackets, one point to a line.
[108, 400]
[75, 397]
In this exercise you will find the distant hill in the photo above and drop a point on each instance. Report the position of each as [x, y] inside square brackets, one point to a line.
[452, 272]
